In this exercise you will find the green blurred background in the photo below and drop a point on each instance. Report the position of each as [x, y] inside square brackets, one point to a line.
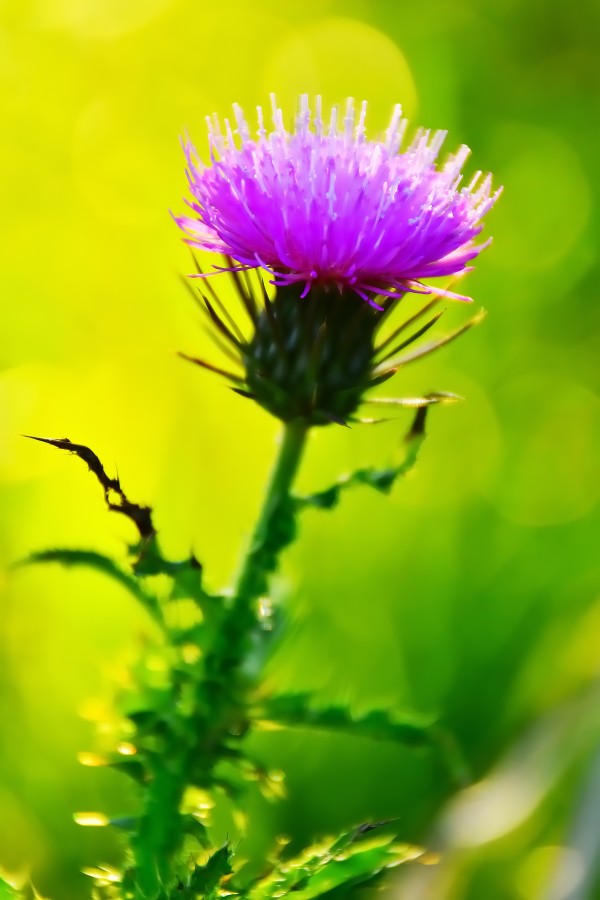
[471, 593]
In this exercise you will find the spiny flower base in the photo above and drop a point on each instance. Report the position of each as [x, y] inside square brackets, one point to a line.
[311, 357]
[315, 358]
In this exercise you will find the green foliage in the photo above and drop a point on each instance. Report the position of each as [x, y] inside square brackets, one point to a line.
[483, 574]
[90, 559]
[330, 867]
[382, 479]
[205, 881]
[300, 710]
[186, 718]
[352, 859]
[303, 711]
[17, 890]
[8, 892]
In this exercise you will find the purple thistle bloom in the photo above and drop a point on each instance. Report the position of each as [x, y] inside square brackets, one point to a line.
[324, 205]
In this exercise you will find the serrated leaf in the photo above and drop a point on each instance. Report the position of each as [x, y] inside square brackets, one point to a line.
[299, 711]
[90, 559]
[341, 862]
[187, 582]
[186, 574]
[114, 495]
[381, 480]
[205, 880]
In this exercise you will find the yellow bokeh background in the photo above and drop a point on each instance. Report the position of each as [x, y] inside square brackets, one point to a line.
[470, 593]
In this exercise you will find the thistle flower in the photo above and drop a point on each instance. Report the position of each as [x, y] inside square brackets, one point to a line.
[334, 220]
[325, 205]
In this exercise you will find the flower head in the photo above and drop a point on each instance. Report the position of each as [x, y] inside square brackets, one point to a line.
[334, 219]
[323, 206]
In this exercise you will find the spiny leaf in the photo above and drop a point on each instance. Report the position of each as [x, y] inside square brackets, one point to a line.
[114, 495]
[186, 584]
[298, 710]
[332, 864]
[186, 574]
[92, 560]
[205, 880]
[380, 479]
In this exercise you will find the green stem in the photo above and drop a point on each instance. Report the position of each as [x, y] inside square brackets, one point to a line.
[221, 687]
[274, 528]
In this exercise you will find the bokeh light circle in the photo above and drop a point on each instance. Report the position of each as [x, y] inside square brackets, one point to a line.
[540, 172]
[339, 58]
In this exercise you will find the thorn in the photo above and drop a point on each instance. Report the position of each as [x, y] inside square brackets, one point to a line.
[225, 331]
[88, 456]
[413, 337]
[141, 516]
[244, 393]
[417, 429]
[371, 826]
[211, 368]
[335, 420]
[425, 349]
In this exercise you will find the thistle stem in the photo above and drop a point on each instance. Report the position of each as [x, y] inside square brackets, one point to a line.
[190, 754]
[273, 529]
